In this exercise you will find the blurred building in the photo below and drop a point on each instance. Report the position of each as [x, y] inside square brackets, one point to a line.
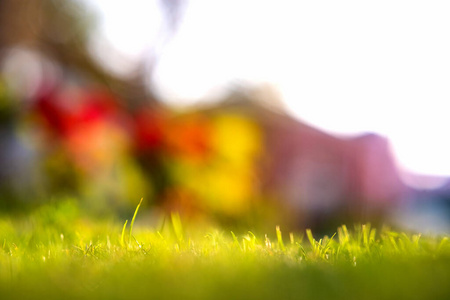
[317, 176]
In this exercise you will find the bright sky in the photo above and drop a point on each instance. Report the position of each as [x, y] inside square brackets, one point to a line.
[345, 66]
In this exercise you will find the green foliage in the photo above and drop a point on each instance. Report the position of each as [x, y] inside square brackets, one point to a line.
[43, 256]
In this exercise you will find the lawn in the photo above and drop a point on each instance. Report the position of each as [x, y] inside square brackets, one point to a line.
[58, 253]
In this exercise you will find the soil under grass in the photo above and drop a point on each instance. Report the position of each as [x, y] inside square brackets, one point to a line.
[55, 254]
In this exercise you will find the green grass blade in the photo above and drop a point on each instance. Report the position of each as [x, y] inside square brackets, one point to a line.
[134, 217]
[373, 234]
[301, 251]
[291, 238]
[311, 238]
[177, 227]
[366, 233]
[330, 240]
[122, 239]
[163, 224]
[236, 242]
[442, 243]
[280, 239]
[267, 242]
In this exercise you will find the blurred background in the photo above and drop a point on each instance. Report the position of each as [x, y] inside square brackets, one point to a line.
[253, 113]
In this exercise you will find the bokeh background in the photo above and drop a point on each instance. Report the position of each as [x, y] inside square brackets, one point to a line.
[234, 112]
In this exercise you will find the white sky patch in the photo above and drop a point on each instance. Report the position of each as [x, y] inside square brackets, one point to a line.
[345, 66]
[127, 31]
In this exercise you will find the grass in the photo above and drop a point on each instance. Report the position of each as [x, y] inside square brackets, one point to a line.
[55, 253]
